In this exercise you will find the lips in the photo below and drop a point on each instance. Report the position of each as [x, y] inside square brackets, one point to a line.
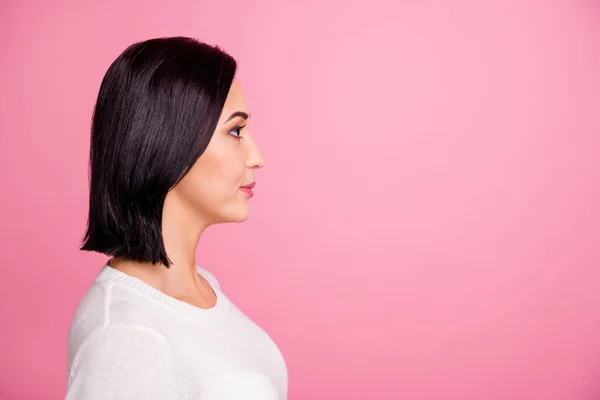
[248, 189]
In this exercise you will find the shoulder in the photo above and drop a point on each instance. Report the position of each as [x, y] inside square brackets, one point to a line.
[108, 303]
[209, 277]
[108, 310]
[135, 361]
[121, 337]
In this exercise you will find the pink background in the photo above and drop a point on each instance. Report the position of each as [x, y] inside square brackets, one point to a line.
[427, 224]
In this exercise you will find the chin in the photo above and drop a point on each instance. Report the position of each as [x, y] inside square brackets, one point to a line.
[238, 215]
[240, 218]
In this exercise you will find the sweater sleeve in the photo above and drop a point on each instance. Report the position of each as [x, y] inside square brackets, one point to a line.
[125, 363]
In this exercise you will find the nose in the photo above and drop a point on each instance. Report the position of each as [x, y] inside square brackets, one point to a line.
[255, 158]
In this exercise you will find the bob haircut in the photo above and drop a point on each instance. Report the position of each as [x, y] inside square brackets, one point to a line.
[157, 109]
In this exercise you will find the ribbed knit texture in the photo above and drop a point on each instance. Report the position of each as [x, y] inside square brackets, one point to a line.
[129, 341]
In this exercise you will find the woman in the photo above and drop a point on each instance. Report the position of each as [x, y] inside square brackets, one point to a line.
[171, 154]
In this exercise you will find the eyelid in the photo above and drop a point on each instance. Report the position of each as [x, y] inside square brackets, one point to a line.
[237, 128]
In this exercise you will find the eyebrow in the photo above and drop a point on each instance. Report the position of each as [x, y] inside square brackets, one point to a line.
[238, 114]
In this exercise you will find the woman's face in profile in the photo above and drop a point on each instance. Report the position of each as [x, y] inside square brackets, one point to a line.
[213, 188]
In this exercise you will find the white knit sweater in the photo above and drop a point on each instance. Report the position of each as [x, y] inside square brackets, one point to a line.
[129, 341]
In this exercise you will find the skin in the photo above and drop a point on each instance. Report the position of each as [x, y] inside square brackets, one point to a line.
[209, 194]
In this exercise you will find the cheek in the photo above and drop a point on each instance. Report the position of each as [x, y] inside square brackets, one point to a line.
[215, 177]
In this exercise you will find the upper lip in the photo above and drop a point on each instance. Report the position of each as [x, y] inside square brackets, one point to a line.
[250, 185]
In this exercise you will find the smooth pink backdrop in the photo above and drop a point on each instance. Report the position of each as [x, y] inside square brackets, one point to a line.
[427, 223]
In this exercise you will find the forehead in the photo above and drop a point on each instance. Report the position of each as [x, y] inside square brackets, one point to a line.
[235, 99]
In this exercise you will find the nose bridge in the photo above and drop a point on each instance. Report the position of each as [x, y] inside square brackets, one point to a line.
[255, 158]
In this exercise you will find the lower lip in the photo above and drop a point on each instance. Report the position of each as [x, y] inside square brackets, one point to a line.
[247, 191]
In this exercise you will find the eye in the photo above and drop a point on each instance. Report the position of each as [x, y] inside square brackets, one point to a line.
[237, 131]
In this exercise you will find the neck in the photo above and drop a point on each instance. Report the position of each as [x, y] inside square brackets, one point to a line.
[181, 231]
[181, 234]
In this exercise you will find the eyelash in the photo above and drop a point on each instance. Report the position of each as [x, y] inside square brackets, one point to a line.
[238, 129]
